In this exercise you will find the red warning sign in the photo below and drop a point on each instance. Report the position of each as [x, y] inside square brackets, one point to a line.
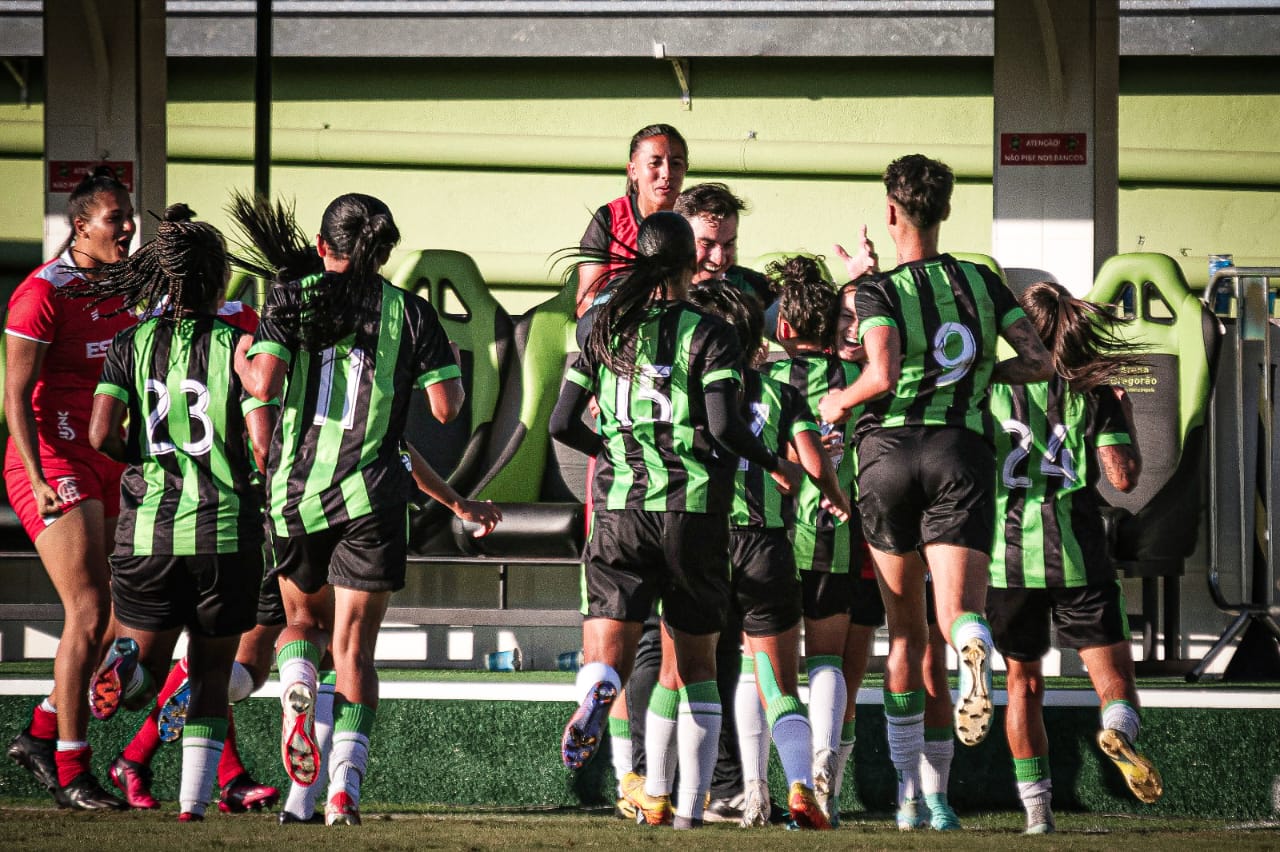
[65, 174]
[1043, 149]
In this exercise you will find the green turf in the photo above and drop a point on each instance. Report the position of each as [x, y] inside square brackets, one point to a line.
[44, 829]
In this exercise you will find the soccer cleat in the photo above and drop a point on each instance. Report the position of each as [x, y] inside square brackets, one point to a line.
[649, 810]
[583, 733]
[1039, 818]
[36, 755]
[624, 810]
[340, 810]
[84, 793]
[824, 779]
[942, 817]
[188, 816]
[1139, 773]
[805, 810]
[173, 714]
[287, 818]
[244, 794]
[973, 706]
[298, 747]
[756, 810]
[909, 817]
[134, 780]
[106, 687]
[724, 809]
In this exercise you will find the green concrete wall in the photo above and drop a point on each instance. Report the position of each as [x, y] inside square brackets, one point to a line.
[506, 159]
[1215, 763]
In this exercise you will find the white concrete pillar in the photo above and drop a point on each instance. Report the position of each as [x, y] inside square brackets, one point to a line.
[1056, 85]
[105, 89]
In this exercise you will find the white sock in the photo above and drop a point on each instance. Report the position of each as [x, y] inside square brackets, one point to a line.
[1120, 716]
[906, 741]
[301, 801]
[591, 674]
[47, 706]
[241, 684]
[347, 762]
[659, 754]
[794, 740]
[827, 697]
[297, 670]
[72, 745]
[842, 761]
[698, 742]
[620, 747]
[976, 628]
[753, 729]
[200, 756]
[1031, 792]
[935, 764]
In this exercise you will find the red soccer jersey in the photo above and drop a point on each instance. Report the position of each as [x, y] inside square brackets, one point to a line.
[240, 315]
[78, 336]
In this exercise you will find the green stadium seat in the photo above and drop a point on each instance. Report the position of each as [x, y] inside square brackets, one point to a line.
[482, 331]
[1155, 526]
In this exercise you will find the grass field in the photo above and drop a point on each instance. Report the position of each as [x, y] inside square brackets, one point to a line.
[29, 826]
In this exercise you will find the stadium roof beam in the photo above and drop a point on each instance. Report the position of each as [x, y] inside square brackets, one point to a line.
[630, 28]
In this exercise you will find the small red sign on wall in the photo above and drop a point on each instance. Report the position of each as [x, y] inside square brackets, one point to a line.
[65, 174]
[1043, 149]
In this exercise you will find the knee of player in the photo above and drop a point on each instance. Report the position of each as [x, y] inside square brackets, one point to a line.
[1025, 681]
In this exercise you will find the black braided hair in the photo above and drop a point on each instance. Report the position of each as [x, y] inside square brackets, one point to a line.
[182, 270]
[664, 253]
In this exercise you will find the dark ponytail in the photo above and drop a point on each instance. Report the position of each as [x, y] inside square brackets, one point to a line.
[1081, 337]
[664, 253]
[182, 270]
[80, 202]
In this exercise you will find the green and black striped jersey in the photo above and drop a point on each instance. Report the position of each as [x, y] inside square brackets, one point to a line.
[778, 414]
[187, 490]
[1049, 531]
[335, 453]
[658, 452]
[948, 314]
[821, 541]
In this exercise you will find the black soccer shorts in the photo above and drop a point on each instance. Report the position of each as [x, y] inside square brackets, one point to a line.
[367, 554]
[1083, 617]
[766, 587]
[211, 595]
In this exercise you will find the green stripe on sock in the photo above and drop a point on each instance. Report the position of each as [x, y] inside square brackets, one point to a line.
[811, 663]
[298, 648]
[783, 705]
[620, 729]
[702, 692]
[938, 735]
[748, 665]
[961, 620]
[664, 702]
[349, 716]
[208, 728]
[848, 731]
[1029, 769]
[904, 703]
[1117, 701]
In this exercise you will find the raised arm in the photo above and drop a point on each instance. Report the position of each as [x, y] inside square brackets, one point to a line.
[1032, 363]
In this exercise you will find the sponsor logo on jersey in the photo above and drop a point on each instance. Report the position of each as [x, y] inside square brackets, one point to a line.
[97, 348]
[65, 432]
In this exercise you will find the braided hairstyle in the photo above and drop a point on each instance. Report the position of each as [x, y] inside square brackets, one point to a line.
[1081, 337]
[356, 228]
[82, 199]
[665, 257]
[182, 271]
[807, 301]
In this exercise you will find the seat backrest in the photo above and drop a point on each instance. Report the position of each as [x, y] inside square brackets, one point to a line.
[982, 260]
[529, 466]
[1170, 396]
[482, 330]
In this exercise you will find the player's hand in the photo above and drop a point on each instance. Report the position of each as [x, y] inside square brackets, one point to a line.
[866, 259]
[789, 475]
[833, 443]
[839, 511]
[831, 408]
[47, 500]
[478, 517]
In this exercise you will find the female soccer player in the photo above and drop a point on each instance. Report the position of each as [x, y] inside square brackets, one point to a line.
[1050, 561]
[189, 544]
[66, 495]
[666, 377]
[347, 349]
[656, 164]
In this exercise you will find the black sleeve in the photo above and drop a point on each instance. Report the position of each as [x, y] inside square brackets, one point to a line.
[596, 239]
[724, 419]
[274, 335]
[566, 424]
